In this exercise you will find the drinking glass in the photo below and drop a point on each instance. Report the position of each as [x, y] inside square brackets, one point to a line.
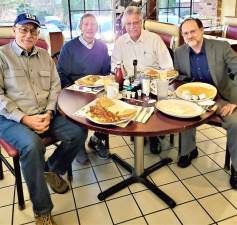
[162, 86]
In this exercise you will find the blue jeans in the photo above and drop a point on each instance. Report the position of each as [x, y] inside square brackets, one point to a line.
[31, 151]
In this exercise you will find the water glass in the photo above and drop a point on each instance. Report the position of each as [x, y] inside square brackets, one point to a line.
[146, 85]
[162, 86]
[107, 80]
[112, 90]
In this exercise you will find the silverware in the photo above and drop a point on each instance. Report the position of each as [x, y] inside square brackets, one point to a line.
[139, 112]
[143, 114]
[210, 108]
[148, 115]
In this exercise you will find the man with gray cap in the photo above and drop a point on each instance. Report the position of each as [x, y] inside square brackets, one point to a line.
[29, 87]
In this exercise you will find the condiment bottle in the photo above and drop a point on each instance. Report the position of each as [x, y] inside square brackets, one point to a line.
[119, 75]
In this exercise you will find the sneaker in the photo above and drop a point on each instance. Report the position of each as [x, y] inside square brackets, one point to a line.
[99, 147]
[56, 182]
[82, 158]
[44, 220]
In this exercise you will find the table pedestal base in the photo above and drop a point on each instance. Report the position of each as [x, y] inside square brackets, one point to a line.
[139, 179]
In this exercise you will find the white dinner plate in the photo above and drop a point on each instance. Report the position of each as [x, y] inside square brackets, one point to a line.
[179, 108]
[195, 89]
[169, 77]
[98, 83]
[116, 108]
[88, 116]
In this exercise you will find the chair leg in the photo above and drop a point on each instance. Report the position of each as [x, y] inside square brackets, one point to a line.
[1, 168]
[227, 159]
[106, 139]
[20, 194]
[69, 173]
[171, 139]
[179, 149]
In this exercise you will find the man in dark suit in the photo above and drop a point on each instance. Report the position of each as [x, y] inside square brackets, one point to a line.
[213, 62]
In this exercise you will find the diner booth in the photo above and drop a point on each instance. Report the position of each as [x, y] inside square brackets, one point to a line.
[134, 186]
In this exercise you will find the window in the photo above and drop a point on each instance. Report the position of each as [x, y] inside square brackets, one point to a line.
[50, 13]
[58, 15]
[102, 9]
[175, 11]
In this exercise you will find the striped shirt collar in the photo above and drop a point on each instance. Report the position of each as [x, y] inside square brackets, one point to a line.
[88, 45]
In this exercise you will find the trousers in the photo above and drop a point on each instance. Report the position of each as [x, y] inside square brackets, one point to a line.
[31, 152]
[188, 137]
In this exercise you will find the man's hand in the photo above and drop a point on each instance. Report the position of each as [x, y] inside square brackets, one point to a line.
[227, 109]
[39, 123]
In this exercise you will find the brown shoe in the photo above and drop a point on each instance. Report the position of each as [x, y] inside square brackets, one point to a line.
[44, 220]
[56, 182]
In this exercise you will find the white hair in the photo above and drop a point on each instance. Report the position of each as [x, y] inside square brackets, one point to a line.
[131, 10]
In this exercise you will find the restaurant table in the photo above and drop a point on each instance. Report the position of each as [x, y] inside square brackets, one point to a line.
[158, 124]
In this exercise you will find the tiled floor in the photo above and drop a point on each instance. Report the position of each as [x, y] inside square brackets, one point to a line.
[202, 191]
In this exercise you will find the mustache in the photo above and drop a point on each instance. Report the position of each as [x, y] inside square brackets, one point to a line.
[28, 39]
[190, 40]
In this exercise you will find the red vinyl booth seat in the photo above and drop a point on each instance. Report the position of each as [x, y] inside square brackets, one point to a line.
[231, 32]
[166, 38]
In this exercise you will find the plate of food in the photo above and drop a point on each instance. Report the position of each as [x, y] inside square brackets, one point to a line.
[179, 108]
[156, 74]
[108, 111]
[196, 91]
[90, 81]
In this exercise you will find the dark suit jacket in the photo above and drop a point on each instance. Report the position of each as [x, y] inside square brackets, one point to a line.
[221, 59]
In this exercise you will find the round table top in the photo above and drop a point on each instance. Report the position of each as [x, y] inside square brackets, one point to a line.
[70, 101]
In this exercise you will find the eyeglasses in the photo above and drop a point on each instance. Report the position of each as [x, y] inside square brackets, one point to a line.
[90, 24]
[192, 32]
[24, 30]
[134, 23]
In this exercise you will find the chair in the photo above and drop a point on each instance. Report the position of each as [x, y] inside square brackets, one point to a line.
[230, 29]
[217, 121]
[15, 169]
[168, 32]
[55, 57]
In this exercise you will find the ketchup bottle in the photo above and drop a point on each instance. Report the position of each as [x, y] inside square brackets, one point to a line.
[119, 76]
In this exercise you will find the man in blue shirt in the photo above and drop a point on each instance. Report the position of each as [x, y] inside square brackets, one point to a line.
[209, 61]
[82, 56]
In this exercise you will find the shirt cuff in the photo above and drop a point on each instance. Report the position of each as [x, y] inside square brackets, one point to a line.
[16, 115]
